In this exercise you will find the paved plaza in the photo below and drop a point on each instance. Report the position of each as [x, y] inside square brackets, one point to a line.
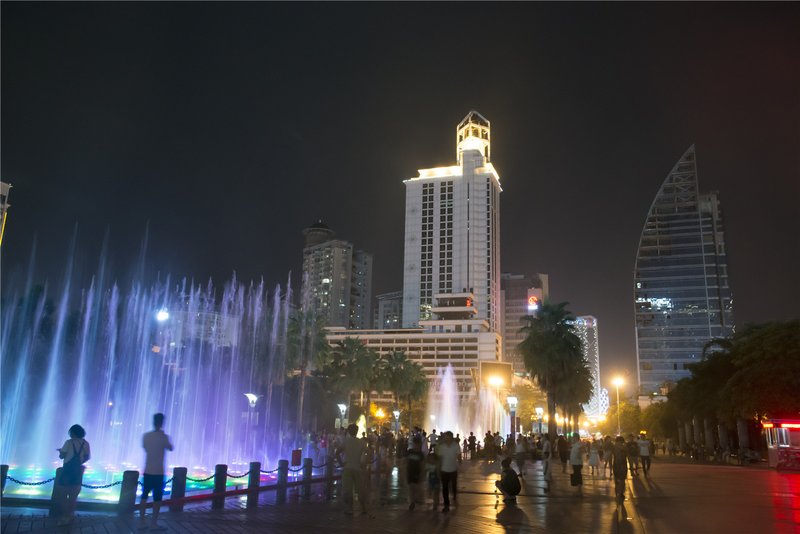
[677, 497]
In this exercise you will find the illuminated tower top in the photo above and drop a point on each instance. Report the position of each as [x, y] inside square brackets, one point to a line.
[473, 133]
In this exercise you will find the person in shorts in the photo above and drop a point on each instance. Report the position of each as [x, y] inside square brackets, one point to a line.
[154, 444]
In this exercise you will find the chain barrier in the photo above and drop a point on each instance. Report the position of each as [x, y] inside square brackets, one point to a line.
[201, 479]
[296, 470]
[269, 472]
[321, 466]
[23, 483]
[231, 475]
[87, 486]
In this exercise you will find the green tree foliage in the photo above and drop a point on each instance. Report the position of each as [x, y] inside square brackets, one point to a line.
[630, 419]
[553, 355]
[658, 420]
[529, 397]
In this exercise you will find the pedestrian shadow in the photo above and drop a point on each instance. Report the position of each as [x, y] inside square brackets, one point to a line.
[620, 522]
[513, 519]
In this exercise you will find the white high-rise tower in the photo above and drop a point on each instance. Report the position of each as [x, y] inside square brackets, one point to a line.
[453, 229]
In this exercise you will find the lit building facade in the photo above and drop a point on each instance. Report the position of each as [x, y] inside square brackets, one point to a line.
[337, 280]
[586, 329]
[453, 336]
[452, 232]
[682, 297]
[520, 296]
[389, 311]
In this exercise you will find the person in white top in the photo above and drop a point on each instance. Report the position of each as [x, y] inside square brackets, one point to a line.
[75, 452]
[449, 456]
[644, 452]
[547, 459]
[154, 443]
[576, 460]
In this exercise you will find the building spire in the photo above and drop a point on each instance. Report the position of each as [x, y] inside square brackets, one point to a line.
[473, 133]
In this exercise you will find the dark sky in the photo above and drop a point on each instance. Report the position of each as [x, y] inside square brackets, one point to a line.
[231, 127]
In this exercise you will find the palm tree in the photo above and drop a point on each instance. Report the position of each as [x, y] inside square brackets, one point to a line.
[576, 389]
[307, 346]
[550, 351]
[406, 379]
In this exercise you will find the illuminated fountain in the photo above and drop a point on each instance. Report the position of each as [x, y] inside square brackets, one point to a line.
[483, 411]
[109, 358]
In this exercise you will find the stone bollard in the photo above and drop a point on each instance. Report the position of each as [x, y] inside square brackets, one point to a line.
[127, 493]
[220, 482]
[178, 488]
[329, 478]
[3, 476]
[253, 483]
[283, 477]
[57, 496]
[308, 473]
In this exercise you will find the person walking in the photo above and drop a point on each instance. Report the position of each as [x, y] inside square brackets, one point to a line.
[633, 455]
[608, 450]
[576, 460]
[354, 452]
[619, 467]
[75, 452]
[594, 456]
[449, 458]
[472, 441]
[415, 468]
[644, 452]
[154, 443]
[432, 474]
[520, 450]
[547, 462]
[508, 484]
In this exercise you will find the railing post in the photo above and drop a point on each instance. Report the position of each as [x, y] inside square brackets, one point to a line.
[283, 477]
[253, 483]
[127, 492]
[329, 479]
[220, 481]
[178, 488]
[57, 496]
[308, 472]
[3, 475]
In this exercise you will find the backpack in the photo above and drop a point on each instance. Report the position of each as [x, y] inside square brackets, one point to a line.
[72, 472]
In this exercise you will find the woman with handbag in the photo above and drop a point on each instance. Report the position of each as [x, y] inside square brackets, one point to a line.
[576, 460]
[75, 452]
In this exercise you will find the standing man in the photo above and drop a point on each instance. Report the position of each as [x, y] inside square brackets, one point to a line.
[450, 456]
[154, 443]
[576, 460]
[354, 450]
[644, 452]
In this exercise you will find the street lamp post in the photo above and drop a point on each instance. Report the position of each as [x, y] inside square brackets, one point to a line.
[396, 414]
[512, 405]
[617, 383]
[342, 410]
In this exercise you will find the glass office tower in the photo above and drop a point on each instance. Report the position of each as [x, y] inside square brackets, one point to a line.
[682, 297]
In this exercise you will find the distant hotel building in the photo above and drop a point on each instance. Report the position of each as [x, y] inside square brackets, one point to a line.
[337, 280]
[586, 329]
[682, 297]
[389, 311]
[452, 234]
[454, 336]
[521, 295]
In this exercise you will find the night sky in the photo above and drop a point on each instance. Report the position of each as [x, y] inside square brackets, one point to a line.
[228, 128]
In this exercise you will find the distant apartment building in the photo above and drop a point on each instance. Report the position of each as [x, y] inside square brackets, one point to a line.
[337, 280]
[681, 293]
[389, 311]
[520, 296]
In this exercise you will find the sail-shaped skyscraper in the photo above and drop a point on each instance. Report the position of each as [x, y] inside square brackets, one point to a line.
[682, 297]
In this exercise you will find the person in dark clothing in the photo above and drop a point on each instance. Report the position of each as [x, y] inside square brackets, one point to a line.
[509, 484]
[619, 467]
[415, 469]
[563, 452]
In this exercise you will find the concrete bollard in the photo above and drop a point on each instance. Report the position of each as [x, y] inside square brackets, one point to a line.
[220, 482]
[57, 496]
[329, 478]
[308, 473]
[283, 478]
[253, 483]
[127, 493]
[178, 488]
[3, 476]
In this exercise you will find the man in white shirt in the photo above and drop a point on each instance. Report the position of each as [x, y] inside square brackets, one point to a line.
[154, 443]
[644, 452]
[352, 457]
[449, 456]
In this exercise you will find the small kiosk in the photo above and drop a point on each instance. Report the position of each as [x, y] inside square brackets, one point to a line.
[783, 443]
